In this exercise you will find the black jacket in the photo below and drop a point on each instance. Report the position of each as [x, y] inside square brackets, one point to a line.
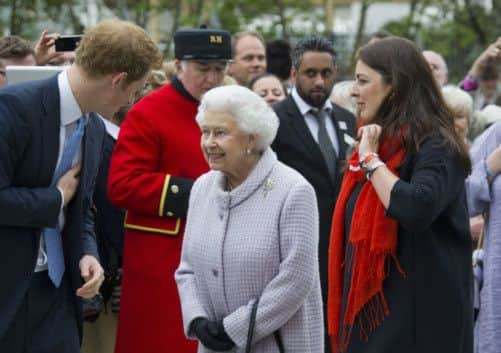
[296, 147]
[431, 309]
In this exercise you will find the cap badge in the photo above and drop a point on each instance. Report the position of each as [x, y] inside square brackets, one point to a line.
[216, 39]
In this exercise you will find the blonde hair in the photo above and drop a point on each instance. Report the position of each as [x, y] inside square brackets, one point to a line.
[169, 67]
[228, 80]
[341, 95]
[457, 99]
[114, 46]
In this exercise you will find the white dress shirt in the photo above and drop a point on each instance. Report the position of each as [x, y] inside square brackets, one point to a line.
[70, 112]
[311, 120]
[111, 128]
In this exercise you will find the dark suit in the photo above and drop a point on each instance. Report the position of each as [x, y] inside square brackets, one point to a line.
[296, 147]
[109, 219]
[29, 145]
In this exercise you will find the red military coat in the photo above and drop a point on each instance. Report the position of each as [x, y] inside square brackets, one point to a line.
[155, 161]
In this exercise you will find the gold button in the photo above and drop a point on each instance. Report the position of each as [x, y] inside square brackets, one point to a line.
[174, 189]
[169, 214]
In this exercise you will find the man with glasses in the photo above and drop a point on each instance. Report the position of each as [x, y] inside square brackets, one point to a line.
[155, 162]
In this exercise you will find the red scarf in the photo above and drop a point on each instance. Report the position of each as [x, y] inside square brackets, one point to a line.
[373, 237]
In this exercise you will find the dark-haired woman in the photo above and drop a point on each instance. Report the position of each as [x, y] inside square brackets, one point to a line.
[269, 87]
[400, 251]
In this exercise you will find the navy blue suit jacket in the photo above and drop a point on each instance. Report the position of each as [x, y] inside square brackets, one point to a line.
[29, 145]
[109, 219]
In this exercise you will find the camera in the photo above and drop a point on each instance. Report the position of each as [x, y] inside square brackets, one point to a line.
[67, 43]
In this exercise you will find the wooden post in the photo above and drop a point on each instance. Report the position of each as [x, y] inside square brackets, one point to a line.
[155, 20]
[329, 17]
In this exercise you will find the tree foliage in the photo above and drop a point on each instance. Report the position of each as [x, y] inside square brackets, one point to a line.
[459, 31]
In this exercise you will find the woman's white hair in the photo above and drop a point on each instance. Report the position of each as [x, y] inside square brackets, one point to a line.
[341, 95]
[457, 99]
[250, 111]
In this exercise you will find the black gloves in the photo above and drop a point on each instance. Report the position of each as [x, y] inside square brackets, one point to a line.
[211, 334]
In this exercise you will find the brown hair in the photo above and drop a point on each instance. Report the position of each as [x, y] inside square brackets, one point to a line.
[114, 46]
[415, 103]
[14, 47]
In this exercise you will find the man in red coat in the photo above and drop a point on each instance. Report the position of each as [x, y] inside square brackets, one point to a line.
[155, 162]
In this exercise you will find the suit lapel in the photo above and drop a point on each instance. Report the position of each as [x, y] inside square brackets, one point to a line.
[50, 124]
[89, 154]
[88, 147]
[298, 124]
[340, 137]
[339, 117]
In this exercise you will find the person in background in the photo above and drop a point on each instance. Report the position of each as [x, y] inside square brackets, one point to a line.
[488, 91]
[400, 274]
[228, 80]
[169, 67]
[378, 35]
[45, 52]
[51, 140]
[251, 237]
[15, 51]
[100, 328]
[483, 188]
[156, 160]
[437, 65]
[269, 87]
[341, 95]
[279, 60]
[314, 134]
[488, 58]
[461, 105]
[156, 80]
[100, 333]
[483, 119]
[65, 59]
[249, 57]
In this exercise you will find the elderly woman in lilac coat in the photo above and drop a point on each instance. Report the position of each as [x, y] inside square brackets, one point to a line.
[251, 237]
[483, 188]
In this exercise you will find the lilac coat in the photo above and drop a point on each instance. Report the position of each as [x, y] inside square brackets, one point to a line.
[258, 241]
[485, 197]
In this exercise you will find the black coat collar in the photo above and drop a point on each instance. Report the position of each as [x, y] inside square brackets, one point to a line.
[178, 86]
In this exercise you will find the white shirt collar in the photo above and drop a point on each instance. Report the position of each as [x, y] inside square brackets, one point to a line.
[111, 128]
[70, 110]
[304, 107]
